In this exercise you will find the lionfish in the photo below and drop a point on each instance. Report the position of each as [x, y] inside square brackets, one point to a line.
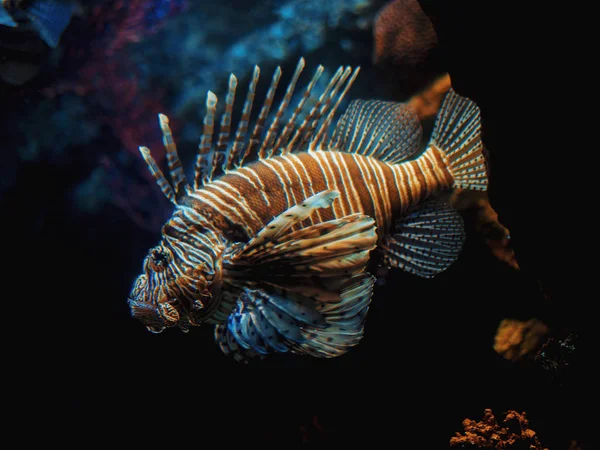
[272, 242]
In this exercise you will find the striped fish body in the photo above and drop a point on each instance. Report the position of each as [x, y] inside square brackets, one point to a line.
[275, 251]
[246, 199]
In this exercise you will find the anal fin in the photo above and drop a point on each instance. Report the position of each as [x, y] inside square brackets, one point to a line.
[427, 240]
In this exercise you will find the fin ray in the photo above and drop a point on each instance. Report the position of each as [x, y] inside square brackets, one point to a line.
[389, 131]
[427, 240]
[457, 132]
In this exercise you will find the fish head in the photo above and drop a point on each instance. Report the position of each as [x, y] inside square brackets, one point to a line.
[173, 290]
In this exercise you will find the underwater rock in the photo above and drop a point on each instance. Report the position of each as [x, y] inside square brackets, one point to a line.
[513, 434]
[516, 339]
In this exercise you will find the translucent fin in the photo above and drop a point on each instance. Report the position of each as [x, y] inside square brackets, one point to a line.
[345, 320]
[388, 131]
[230, 346]
[50, 18]
[306, 290]
[427, 240]
[457, 132]
[268, 320]
[204, 161]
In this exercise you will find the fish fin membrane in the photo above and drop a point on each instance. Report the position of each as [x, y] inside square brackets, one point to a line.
[457, 132]
[273, 319]
[427, 240]
[326, 249]
[388, 131]
[230, 347]
[50, 18]
[304, 291]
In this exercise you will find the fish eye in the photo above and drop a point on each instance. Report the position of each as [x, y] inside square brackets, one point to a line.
[159, 258]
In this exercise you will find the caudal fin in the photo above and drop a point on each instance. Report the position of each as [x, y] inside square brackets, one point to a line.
[457, 132]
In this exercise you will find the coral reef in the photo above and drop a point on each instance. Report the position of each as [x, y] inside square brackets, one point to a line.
[514, 433]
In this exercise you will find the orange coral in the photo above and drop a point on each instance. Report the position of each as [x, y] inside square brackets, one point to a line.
[489, 434]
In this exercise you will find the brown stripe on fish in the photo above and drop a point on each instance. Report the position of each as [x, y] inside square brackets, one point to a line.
[440, 165]
[302, 187]
[352, 196]
[367, 178]
[307, 164]
[247, 199]
[281, 172]
[332, 181]
[428, 173]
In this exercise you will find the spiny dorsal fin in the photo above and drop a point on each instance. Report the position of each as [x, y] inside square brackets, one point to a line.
[262, 117]
[285, 134]
[265, 149]
[158, 175]
[212, 160]
[225, 127]
[203, 171]
[175, 166]
[301, 133]
[322, 133]
[235, 155]
[389, 131]
[178, 187]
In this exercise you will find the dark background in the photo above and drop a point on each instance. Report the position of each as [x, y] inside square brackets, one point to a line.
[426, 362]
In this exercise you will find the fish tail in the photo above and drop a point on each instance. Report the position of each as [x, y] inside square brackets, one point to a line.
[457, 133]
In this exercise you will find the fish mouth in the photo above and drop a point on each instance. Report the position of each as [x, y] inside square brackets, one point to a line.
[147, 314]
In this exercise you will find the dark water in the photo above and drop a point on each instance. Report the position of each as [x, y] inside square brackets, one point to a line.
[80, 215]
